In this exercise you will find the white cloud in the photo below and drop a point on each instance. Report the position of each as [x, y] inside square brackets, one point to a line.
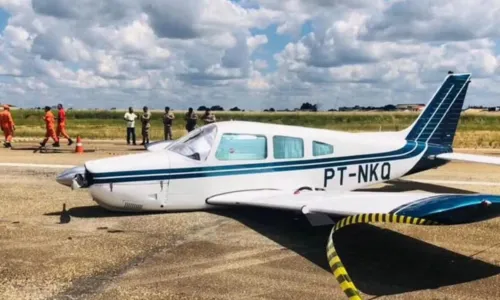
[207, 52]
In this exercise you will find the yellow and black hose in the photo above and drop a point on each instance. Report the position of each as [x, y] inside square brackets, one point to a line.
[338, 270]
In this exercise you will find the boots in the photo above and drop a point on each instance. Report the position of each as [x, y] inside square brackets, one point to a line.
[70, 142]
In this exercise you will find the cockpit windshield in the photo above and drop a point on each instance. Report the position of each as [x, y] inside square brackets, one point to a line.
[197, 144]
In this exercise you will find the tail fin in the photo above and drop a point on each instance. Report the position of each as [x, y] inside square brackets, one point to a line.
[438, 122]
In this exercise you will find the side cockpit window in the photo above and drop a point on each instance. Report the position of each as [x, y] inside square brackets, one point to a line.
[288, 147]
[242, 147]
[320, 148]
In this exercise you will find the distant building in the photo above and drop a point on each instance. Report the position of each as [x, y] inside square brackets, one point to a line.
[410, 107]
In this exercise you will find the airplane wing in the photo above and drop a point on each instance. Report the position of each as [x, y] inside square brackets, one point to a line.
[442, 208]
[469, 158]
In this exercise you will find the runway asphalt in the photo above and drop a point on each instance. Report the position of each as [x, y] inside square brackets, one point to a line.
[235, 254]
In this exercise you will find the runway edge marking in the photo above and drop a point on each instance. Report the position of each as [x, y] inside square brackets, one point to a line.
[54, 166]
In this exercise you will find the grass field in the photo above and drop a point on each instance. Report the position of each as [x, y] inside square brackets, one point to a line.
[475, 130]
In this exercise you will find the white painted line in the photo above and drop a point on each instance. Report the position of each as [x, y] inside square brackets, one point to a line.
[35, 165]
[484, 183]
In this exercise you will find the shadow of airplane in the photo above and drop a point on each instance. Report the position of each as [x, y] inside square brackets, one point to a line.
[95, 211]
[380, 261]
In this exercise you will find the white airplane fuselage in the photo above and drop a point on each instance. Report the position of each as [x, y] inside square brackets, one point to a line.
[165, 180]
[234, 156]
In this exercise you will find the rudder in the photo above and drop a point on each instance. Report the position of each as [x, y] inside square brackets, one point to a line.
[438, 122]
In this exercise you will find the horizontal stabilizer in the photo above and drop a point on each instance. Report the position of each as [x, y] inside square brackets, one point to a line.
[483, 159]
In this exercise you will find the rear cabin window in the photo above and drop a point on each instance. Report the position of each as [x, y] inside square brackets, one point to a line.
[288, 147]
[242, 147]
[320, 148]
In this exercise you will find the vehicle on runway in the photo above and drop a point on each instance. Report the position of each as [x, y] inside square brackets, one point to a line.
[315, 172]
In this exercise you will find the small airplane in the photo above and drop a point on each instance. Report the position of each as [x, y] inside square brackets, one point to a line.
[259, 164]
[314, 172]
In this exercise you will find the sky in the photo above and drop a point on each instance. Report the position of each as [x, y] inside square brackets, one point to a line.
[253, 54]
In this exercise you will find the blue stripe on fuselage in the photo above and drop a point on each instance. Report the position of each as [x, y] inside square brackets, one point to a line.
[409, 150]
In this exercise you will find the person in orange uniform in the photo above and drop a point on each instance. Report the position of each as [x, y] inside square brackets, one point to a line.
[61, 124]
[7, 125]
[49, 125]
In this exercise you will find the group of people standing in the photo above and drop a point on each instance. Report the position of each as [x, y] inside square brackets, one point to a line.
[51, 129]
[54, 131]
[191, 119]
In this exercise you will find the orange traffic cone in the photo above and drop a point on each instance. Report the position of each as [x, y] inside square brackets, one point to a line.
[79, 145]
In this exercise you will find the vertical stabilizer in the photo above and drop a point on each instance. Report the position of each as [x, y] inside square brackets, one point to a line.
[438, 123]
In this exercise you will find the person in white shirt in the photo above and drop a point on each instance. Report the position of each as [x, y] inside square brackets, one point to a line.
[130, 117]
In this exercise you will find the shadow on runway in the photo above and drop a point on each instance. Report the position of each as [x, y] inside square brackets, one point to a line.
[49, 150]
[408, 185]
[95, 211]
[379, 261]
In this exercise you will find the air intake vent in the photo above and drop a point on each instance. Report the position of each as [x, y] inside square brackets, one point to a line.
[133, 206]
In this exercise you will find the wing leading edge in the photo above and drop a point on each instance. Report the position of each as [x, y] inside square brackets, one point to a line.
[474, 158]
[442, 208]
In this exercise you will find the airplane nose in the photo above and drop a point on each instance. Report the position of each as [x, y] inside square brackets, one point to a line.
[66, 177]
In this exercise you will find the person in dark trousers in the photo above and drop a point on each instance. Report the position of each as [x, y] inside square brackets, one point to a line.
[146, 124]
[168, 119]
[130, 117]
[191, 119]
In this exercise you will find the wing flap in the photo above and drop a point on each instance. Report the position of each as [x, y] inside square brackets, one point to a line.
[342, 203]
[262, 198]
[483, 159]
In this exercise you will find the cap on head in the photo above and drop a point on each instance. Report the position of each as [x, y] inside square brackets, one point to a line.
[6, 107]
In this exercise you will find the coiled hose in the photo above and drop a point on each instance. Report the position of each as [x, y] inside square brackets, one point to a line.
[338, 270]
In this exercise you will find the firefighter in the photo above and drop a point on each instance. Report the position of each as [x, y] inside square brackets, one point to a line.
[61, 124]
[7, 125]
[50, 128]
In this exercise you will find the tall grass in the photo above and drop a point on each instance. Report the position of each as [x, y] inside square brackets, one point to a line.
[474, 129]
